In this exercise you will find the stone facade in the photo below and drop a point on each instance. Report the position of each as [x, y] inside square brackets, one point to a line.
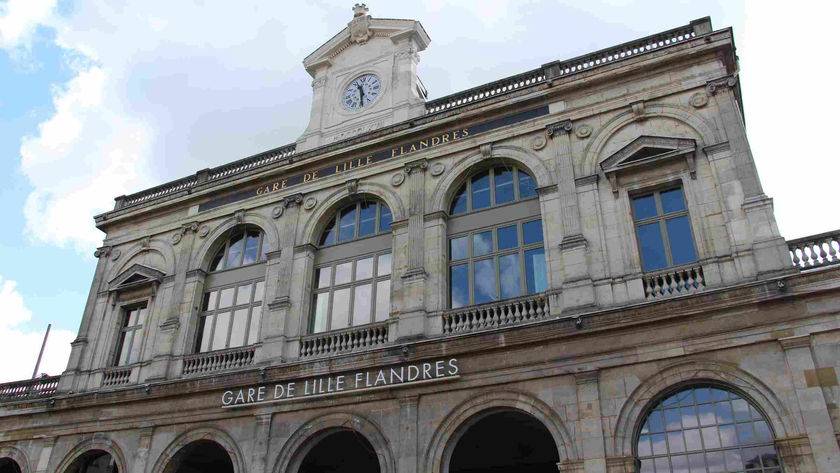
[587, 358]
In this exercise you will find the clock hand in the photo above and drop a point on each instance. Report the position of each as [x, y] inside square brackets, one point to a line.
[361, 95]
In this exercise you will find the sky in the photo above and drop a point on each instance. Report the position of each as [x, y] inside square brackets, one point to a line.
[104, 98]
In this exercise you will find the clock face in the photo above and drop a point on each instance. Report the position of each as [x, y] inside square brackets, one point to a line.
[361, 92]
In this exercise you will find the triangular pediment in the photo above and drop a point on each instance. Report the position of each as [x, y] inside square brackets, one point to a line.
[647, 149]
[359, 31]
[136, 275]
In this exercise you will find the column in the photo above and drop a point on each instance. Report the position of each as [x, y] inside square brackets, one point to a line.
[141, 456]
[812, 404]
[279, 281]
[590, 433]
[407, 441]
[412, 320]
[262, 433]
[578, 290]
[42, 462]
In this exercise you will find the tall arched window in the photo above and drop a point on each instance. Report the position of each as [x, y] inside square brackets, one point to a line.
[231, 307]
[495, 239]
[706, 428]
[353, 268]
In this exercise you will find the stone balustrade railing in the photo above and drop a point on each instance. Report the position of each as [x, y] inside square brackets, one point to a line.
[674, 282]
[344, 341]
[221, 360]
[37, 388]
[486, 91]
[497, 314]
[815, 251]
[116, 376]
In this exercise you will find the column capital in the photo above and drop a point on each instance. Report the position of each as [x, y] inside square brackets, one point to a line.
[801, 341]
[419, 165]
[563, 127]
[725, 82]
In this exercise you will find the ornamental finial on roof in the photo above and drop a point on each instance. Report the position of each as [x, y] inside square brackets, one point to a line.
[360, 9]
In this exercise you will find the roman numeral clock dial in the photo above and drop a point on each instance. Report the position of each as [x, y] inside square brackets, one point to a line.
[361, 92]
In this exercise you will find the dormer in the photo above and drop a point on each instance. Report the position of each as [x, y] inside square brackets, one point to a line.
[364, 78]
[647, 153]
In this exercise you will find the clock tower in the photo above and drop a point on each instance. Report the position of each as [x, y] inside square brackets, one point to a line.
[364, 78]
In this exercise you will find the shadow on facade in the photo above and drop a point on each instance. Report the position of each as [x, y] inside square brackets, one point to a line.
[201, 456]
[92, 461]
[7, 465]
[343, 451]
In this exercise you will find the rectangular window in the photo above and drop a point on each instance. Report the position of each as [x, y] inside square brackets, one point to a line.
[130, 338]
[230, 316]
[663, 229]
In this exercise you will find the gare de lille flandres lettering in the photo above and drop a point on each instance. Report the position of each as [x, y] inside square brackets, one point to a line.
[348, 382]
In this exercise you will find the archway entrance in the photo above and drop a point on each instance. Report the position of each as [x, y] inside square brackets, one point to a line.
[505, 441]
[7, 465]
[94, 461]
[342, 451]
[201, 456]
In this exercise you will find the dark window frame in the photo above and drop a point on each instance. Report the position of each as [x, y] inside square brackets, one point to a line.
[333, 224]
[224, 249]
[135, 332]
[661, 218]
[205, 313]
[465, 188]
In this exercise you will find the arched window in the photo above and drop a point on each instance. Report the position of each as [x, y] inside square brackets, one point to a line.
[493, 187]
[706, 428]
[93, 461]
[231, 306]
[353, 268]
[497, 253]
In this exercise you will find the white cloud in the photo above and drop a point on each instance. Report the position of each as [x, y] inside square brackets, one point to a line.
[22, 344]
[20, 18]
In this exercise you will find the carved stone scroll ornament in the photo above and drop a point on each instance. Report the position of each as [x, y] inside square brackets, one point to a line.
[310, 203]
[419, 165]
[713, 86]
[203, 231]
[538, 141]
[699, 99]
[438, 168]
[583, 131]
[277, 211]
[397, 179]
[559, 128]
[102, 252]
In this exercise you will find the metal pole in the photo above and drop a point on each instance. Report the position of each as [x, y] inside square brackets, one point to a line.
[41, 353]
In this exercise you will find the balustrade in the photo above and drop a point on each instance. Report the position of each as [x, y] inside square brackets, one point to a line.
[499, 314]
[674, 282]
[221, 360]
[344, 341]
[37, 388]
[815, 251]
[116, 376]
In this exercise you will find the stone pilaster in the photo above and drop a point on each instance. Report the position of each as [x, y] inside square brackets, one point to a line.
[141, 456]
[590, 433]
[407, 443]
[262, 433]
[412, 321]
[621, 465]
[42, 461]
[796, 454]
[578, 290]
[812, 406]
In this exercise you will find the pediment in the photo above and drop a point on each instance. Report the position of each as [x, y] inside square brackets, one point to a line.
[137, 275]
[358, 31]
[649, 151]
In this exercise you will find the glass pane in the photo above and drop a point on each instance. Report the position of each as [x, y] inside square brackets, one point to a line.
[643, 446]
[383, 265]
[527, 187]
[367, 219]
[507, 237]
[204, 333]
[692, 440]
[509, 276]
[655, 422]
[385, 218]
[480, 191]
[535, 270]
[745, 434]
[254, 327]
[458, 248]
[742, 410]
[503, 180]
[662, 465]
[651, 247]
[136, 345]
[252, 247]
[220, 333]
[724, 412]
[459, 203]
[482, 243]
[675, 442]
[259, 291]
[209, 300]
[131, 318]
[672, 419]
[340, 309]
[141, 315]
[728, 437]
[234, 257]
[644, 207]
[762, 432]
[672, 200]
[364, 268]
[706, 412]
[125, 346]
[459, 286]
[383, 300]
[218, 260]
[319, 319]
[361, 304]
[328, 238]
[682, 243]
[226, 298]
[243, 294]
[532, 232]
[710, 437]
[657, 442]
[689, 417]
[324, 277]
[484, 281]
[238, 327]
[647, 466]
[714, 460]
[696, 463]
[343, 273]
[347, 224]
